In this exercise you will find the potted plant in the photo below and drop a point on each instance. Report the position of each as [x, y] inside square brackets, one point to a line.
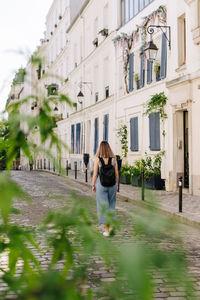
[152, 172]
[137, 168]
[104, 32]
[157, 70]
[125, 176]
[137, 80]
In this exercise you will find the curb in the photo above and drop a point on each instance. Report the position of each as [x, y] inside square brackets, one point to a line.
[141, 204]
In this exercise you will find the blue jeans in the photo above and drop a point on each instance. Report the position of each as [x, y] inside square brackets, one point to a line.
[106, 200]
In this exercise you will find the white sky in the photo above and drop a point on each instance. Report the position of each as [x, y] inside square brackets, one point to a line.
[22, 23]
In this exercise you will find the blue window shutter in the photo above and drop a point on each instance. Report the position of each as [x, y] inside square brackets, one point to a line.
[105, 127]
[96, 134]
[154, 131]
[72, 138]
[163, 65]
[131, 68]
[78, 137]
[134, 134]
[149, 71]
[141, 70]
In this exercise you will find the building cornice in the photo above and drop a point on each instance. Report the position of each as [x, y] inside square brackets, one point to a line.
[79, 14]
[183, 79]
[189, 1]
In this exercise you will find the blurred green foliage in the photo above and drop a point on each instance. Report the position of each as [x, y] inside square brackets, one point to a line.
[71, 234]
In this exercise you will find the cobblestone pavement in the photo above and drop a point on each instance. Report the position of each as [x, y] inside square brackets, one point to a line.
[47, 191]
[168, 200]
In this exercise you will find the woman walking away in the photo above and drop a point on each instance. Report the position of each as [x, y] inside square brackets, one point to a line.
[106, 178]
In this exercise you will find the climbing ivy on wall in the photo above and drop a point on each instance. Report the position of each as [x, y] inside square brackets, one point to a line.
[127, 41]
[123, 135]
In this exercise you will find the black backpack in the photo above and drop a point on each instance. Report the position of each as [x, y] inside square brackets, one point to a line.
[107, 173]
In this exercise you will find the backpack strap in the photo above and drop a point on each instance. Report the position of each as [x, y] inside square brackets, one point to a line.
[110, 161]
[101, 161]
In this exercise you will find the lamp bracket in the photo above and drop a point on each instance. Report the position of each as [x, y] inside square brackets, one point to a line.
[151, 30]
[88, 84]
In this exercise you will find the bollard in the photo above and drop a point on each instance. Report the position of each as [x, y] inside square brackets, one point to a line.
[44, 163]
[67, 168]
[54, 168]
[49, 165]
[75, 167]
[142, 177]
[86, 177]
[180, 184]
[60, 167]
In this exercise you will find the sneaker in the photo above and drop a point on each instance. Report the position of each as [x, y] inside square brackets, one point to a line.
[106, 233]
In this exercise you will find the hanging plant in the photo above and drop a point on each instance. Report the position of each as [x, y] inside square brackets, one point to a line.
[122, 133]
[157, 104]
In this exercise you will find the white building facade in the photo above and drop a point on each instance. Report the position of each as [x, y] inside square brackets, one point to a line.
[85, 46]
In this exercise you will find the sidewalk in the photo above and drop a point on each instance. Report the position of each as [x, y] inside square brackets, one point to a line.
[169, 201]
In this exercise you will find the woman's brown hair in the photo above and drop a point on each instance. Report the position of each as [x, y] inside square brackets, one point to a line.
[104, 150]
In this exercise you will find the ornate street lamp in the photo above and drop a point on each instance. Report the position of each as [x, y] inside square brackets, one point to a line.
[151, 49]
[80, 97]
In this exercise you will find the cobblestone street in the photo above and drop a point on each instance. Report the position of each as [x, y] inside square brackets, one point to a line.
[48, 192]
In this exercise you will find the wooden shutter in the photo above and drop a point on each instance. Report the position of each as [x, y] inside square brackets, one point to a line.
[105, 127]
[141, 70]
[163, 65]
[78, 137]
[154, 131]
[134, 134]
[131, 68]
[149, 71]
[96, 134]
[72, 138]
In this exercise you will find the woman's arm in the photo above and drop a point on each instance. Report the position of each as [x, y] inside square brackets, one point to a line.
[95, 173]
[117, 175]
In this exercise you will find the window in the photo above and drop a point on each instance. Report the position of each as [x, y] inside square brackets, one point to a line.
[107, 91]
[78, 138]
[129, 8]
[142, 70]
[131, 71]
[72, 138]
[105, 127]
[96, 97]
[136, 7]
[154, 131]
[126, 11]
[141, 4]
[134, 134]
[149, 71]
[163, 65]
[181, 40]
[96, 134]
